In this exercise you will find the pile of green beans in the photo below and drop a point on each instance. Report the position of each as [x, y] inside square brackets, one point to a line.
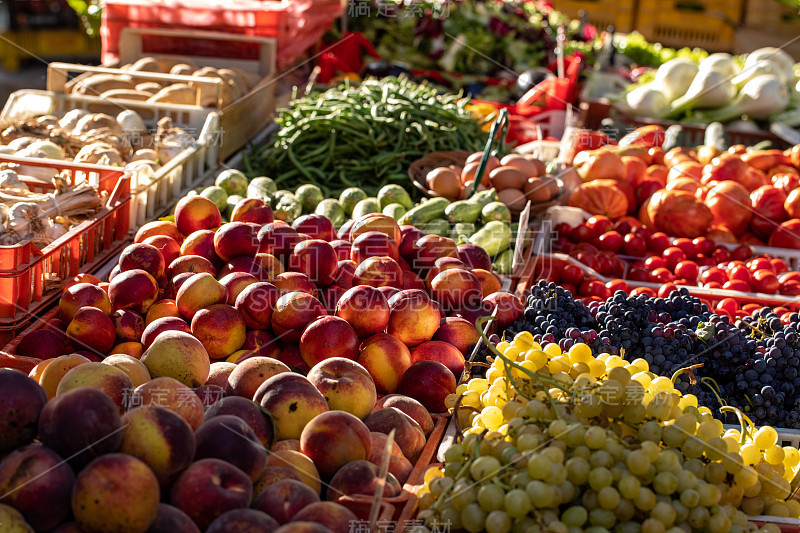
[365, 134]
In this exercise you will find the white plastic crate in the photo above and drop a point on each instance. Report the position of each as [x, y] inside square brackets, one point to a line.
[151, 192]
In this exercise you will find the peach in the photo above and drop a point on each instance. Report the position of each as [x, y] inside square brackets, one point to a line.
[131, 348]
[243, 263]
[270, 264]
[80, 425]
[255, 303]
[411, 407]
[407, 245]
[458, 332]
[160, 438]
[373, 244]
[278, 240]
[300, 464]
[362, 478]
[379, 272]
[209, 394]
[235, 283]
[106, 378]
[91, 329]
[317, 226]
[293, 312]
[288, 444]
[316, 259]
[36, 372]
[346, 386]
[337, 518]
[42, 344]
[243, 521]
[474, 256]
[440, 351]
[330, 296]
[376, 222]
[53, 372]
[329, 336]
[408, 434]
[508, 307]
[82, 295]
[231, 439]
[193, 264]
[218, 373]
[170, 519]
[430, 248]
[252, 210]
[82, 277]
[293, 402]
[178, 355]
[158, 227]
[247, 377]
[342, 248]
[365, 308]
[490, 283]
[220, 328]
[142, 256]
[412, 281]
[441, 264]
[284, 499]
[116, 492]
[170, 394]
[128, 324]
[247, 410]
[294, 282]
[414, 317]
[38, 483]
[333, 439]
[259, 343]
[302, 527]
[20, 404]
[428, 382]
[133, 289]
[399, 466]
[290, 356]
[455, 288]
[235, 239]
[345, 273]
[201, 244]
[112, 274]
[161, 309]
[209, 488]
[169, 248]
[159, 326]
[196, 212]
[275, 474]
[198, 292]
[386, 359]
[132, 366]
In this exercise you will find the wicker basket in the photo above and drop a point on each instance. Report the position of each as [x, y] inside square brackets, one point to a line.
[419, 169]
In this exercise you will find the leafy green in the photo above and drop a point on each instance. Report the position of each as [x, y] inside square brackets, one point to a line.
[89, 11]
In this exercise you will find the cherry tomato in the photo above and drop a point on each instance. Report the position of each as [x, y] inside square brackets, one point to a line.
[742, 252]
[704, 245]
[673, 255]
[643, 290]
[779, 266]
[740, 272]
[634, 245]
[687, 245]
[599, 224]
[760, 263]
[666, 290]
[661, 275]
[765, 281]
[571, 274]
[581, 233]
[721, 254]
[617, 285]
[737, 285]
[714, 274]
[658, 242]
[688, 270]
[639, 274]
[654, 262]
[727, 304]
[610, 240]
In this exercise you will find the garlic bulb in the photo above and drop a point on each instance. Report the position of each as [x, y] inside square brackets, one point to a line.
[100, 154]
[70, 120]
[131, 123]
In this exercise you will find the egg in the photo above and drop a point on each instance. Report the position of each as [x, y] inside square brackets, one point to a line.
[513, 198]
[537, 190]
[444, 182]
[469, 172]
[523, 164]
[552, 184]
[503, 178]
[540, 165]
[468, 189]
[491, 163]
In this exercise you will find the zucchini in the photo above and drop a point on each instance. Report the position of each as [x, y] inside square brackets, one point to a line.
[494, 237]
[425, 212]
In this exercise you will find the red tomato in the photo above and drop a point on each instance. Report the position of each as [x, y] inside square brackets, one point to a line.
[705, 261]
[599, 224]
[617, 285]
[626, 224]
[742, 253]
[673, 255]
[570, 287]
[687, 246]
[610, 240]
[740, 272]
[587, 247]
[604, 262]
[639, 274]
[563, 229]
[658, 242]
[777, 310]
[588, 259]
[721, 254]
[737, 285]
[765, 281]
[643, 232]
[581, 233]
[654, 262]
[727, 304]
[567, 247]
[714, 274]
[790, 288]
[779, 266]
[666, 289]
[687, 270]
[594, 288]
[643, 290]
[750, 308]
[760, 263]
[786, 318]
[789, 276]
[704, 245]
[571, 274]
[634, 245]
[661, 275]
[617, 267]
[712, 285]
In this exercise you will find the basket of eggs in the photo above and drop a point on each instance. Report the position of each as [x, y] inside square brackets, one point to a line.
[516, 178]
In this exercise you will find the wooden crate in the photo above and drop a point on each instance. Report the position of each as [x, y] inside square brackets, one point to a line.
[708, 24]
[600, 13]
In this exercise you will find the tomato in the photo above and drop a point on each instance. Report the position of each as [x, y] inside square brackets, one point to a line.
[563, 229]
[750, 308]
[704, 245]
[654, 262]
[687, 246]
[658, 242]
[647, 136]
[789, 276]
[712, 285]
[666, 290]
[687, 270]
[634, 245]
[560, 243]
[742, 252]
[760, 263]
[661, 275]
[714, 274]
[588, 259]
[791, 288]
[765, 281]
[737, 285]
[604, 262]
[617, 285]
[704, 261]
[571, 274]
[639, 274]
[610, 241]
[721, 254]
[777, 310]
[581, 233]
[617, 267]
[643, 290]
[587, 247]
[673, 255]
[594, 288]
[570, 287]
[779, 266]
[727, 304]
[599, 224]
[740, 272]
[567, 247]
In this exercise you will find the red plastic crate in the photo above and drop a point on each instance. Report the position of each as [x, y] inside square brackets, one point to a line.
[30, 278]
[296, 25]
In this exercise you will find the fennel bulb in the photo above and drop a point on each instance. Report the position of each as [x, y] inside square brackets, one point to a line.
[720, 62]
[759, 98]
[675, 76]
[759, 68]
[647, 101]
[776, 56]
[710, 88]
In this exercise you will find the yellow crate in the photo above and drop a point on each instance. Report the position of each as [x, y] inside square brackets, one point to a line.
[773, 16]
[18, 45]
[708, 24]
[601, 13]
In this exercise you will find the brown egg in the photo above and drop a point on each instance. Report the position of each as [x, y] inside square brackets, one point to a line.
[540, 165]
[491, 163]
[503, 178]
[470, 170]
[468, 189]
[537, 190]
[513, 198]
[552, 185]
[455, 168]
[444, 182]
[524, 165]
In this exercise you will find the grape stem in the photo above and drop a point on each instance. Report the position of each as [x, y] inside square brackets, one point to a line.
[680, 371]
[744, 422]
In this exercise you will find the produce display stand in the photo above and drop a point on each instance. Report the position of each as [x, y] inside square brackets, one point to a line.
[151, 192]
[31, 279]
[621, 14]
[708, 24]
